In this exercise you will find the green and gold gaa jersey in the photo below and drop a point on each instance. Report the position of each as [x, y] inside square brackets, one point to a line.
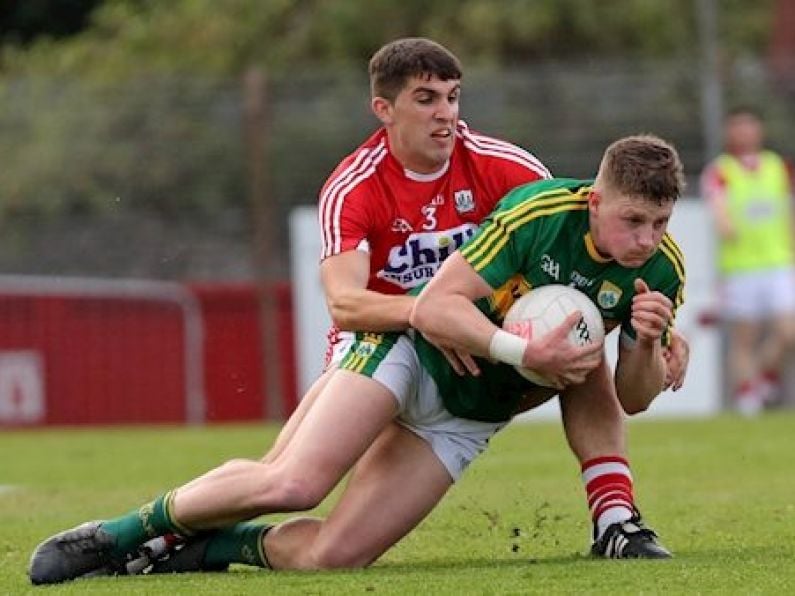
[539, 235]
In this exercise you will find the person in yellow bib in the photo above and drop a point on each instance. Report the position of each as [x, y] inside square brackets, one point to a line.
[749, 191]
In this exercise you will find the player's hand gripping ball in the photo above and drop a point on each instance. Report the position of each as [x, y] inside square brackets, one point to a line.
[546, 308]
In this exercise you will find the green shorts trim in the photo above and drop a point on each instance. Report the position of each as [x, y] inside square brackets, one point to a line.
[368, 351]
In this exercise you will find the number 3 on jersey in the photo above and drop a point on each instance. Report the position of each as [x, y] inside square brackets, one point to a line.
[429, 211]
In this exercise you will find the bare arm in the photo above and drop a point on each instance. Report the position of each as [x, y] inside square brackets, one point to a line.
[677, 359]
[714, 191]
[444, 312]
[723, 222]
[640, 374]
[351, 305]
[641, 369]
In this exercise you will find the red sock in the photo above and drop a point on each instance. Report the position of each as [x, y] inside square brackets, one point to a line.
[769, 384]
[771, 376]
[608, 485]
[745, 388]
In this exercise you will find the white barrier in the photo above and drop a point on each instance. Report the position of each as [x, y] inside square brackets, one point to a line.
[690, 226]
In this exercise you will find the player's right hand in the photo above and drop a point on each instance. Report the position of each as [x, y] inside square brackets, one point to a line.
[677, 358]
[557, 359]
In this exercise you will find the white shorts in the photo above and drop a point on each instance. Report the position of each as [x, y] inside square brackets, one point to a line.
[455, 441]
[339, 343]
[758, 295]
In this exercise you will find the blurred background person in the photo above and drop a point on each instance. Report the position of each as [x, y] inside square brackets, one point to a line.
[749, 191]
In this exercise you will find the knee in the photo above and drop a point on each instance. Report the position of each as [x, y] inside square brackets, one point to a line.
[787, 337]
[300, 544]
[638, 408]
[272, 488]
[297, 492]
[233, 465]
[327, 555]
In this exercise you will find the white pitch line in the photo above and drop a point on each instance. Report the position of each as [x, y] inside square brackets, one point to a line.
[7, 488]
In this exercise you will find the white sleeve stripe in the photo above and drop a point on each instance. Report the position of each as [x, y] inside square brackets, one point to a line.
[340, 199]
[377, 156]
[331, 199]
[535, 163]
[483, 141]
[488, 142]
[326, 198]
[608, 468]
[324, 205]
[516, 158]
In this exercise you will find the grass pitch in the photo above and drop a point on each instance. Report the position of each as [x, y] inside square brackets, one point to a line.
[721, 493]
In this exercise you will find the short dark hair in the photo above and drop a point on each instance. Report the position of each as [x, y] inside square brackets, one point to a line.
[396, 62]
[644, 166]
[744, 110]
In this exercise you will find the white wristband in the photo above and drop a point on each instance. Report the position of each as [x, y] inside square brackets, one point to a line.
[507, 347]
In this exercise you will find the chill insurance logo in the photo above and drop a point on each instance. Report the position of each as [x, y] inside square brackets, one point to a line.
[417, 259]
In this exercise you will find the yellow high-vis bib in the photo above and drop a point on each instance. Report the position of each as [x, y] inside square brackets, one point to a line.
[760, 208]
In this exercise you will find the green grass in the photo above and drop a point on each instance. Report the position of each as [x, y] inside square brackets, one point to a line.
[721, 492]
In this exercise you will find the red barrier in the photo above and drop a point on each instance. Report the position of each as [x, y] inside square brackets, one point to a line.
[120, 352]
[67, 358]
[234, 365]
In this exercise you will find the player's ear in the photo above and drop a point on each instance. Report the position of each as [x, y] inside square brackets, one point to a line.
[594, 199]
[382, 108]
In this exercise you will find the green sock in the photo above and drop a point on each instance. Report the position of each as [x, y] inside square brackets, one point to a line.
[139, 525]
[241, 543]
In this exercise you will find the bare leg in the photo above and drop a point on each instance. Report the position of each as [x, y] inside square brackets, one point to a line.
[594, 423]
[394, 486]
[778, 342]
[289, 428]
[592, 416]
[338, 428]
[743, 336]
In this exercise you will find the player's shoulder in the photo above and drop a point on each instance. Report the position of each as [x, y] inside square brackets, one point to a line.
[357, 170]
[670, 258]
[775, 158]
[546, 207]
[565, 194]
[712, 170]
[489, 150]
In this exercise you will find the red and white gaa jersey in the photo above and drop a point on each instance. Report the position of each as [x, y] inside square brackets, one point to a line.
[409, 222]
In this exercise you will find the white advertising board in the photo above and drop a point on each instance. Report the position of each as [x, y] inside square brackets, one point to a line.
[690, 226]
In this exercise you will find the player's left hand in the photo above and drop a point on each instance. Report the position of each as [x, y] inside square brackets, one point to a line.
[651, 312]
[461, 362]
[677, 358]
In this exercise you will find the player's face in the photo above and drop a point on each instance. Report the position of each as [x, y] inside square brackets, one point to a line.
[421, 122]
[744, 134]
[628, 229]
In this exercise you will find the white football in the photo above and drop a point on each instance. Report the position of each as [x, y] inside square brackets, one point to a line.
[546, 308]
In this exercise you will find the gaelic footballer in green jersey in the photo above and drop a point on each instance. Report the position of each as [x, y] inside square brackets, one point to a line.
[607, 238]
[539, 235]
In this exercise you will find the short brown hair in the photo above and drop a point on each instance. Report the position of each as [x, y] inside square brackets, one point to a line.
[399, 60]
[644, 166]
[744, 110]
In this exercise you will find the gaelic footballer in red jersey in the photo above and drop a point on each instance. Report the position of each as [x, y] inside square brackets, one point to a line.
[418, 219]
